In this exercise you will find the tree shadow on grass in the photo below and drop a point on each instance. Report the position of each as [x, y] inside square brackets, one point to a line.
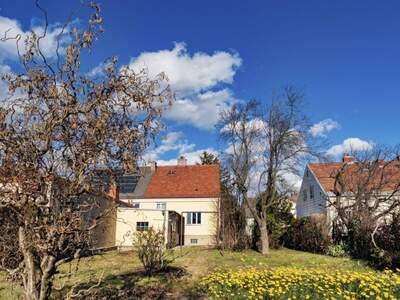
[130, 285]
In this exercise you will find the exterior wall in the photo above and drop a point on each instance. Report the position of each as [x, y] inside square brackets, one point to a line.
[306, 206]
[103, 235]
[204, 233]
[126, 223]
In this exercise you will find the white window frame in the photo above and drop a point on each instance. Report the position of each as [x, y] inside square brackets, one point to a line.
[161, 205]
[134, 204]
[143, 225]
[193, 218]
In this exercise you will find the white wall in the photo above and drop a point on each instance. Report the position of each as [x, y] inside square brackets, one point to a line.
[126, 223]
[317, 205]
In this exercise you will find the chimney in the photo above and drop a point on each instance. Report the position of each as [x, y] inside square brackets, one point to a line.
[153, 166]
[347, 158]
[182, 161]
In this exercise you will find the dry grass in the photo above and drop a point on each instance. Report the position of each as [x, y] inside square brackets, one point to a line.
[120, 275]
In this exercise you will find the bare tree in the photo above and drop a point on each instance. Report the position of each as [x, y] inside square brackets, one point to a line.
[265, 147]
[59, 126]
[366, 188]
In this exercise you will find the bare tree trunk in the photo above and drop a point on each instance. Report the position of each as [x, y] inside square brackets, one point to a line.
[31, 269]
[264, 238]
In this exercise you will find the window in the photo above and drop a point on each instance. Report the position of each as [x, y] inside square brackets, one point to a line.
[311, 192]
[161, 205]
[134, 204]
[193, 241]
[142, 226]
[193, 218]
[305, 195]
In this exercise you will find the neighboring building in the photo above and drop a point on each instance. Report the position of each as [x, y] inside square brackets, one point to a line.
[182, 200]
[318, 186]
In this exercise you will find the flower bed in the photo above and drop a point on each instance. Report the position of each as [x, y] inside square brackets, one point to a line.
[295, 283]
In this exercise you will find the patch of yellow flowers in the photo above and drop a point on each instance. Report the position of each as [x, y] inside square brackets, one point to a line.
[295, 283]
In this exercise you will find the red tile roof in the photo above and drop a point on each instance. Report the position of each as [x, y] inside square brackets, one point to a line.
[196, 181]
[385, 179]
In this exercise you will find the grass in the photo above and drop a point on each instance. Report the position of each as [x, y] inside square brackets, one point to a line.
[116, 275]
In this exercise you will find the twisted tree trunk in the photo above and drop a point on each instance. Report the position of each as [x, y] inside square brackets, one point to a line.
[37, 275]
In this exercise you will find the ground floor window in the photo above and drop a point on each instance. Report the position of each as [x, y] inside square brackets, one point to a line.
[193, 218]
[193, 241]
[142, 226]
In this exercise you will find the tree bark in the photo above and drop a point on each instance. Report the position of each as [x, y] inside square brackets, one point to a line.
[31, 278]
[37, 277]
[264, 238]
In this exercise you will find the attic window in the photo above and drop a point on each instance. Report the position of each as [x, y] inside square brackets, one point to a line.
[171, 172]
[307, 173]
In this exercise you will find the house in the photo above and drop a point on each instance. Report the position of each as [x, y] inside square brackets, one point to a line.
[320, 185]
[181, 200]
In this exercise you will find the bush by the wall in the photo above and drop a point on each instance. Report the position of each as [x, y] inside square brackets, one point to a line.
[151, 250]
[385, 253]
[308, 234]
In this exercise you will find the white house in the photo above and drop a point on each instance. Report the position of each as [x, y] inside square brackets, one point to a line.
[181, 200]
[318, 185]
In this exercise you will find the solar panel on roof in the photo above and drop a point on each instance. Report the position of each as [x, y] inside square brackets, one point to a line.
[127, 183]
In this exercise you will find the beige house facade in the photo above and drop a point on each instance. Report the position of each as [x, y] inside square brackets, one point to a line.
[180, 200]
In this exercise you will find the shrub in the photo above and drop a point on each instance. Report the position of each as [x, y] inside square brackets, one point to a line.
[151, 250]
[337, 250]
[308, 234]
[386, 252]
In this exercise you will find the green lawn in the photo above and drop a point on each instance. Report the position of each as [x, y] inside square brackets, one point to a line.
[116, 275]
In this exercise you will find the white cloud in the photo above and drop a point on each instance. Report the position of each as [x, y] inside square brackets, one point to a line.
[195, 79]
[4, 69]
[12, 28]
[186, 73]
[193, 157]
[323, 127]
[202, 110]
[350, 145]
[172, 142]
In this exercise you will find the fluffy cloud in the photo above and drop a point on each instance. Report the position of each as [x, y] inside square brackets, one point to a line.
[12, 28]
[195, 79]
[186, 73]
[350, 145]
[323, 127]
[174, 141]
[193, 157]
[202, 110]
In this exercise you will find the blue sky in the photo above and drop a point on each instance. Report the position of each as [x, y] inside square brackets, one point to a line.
[345, 54]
